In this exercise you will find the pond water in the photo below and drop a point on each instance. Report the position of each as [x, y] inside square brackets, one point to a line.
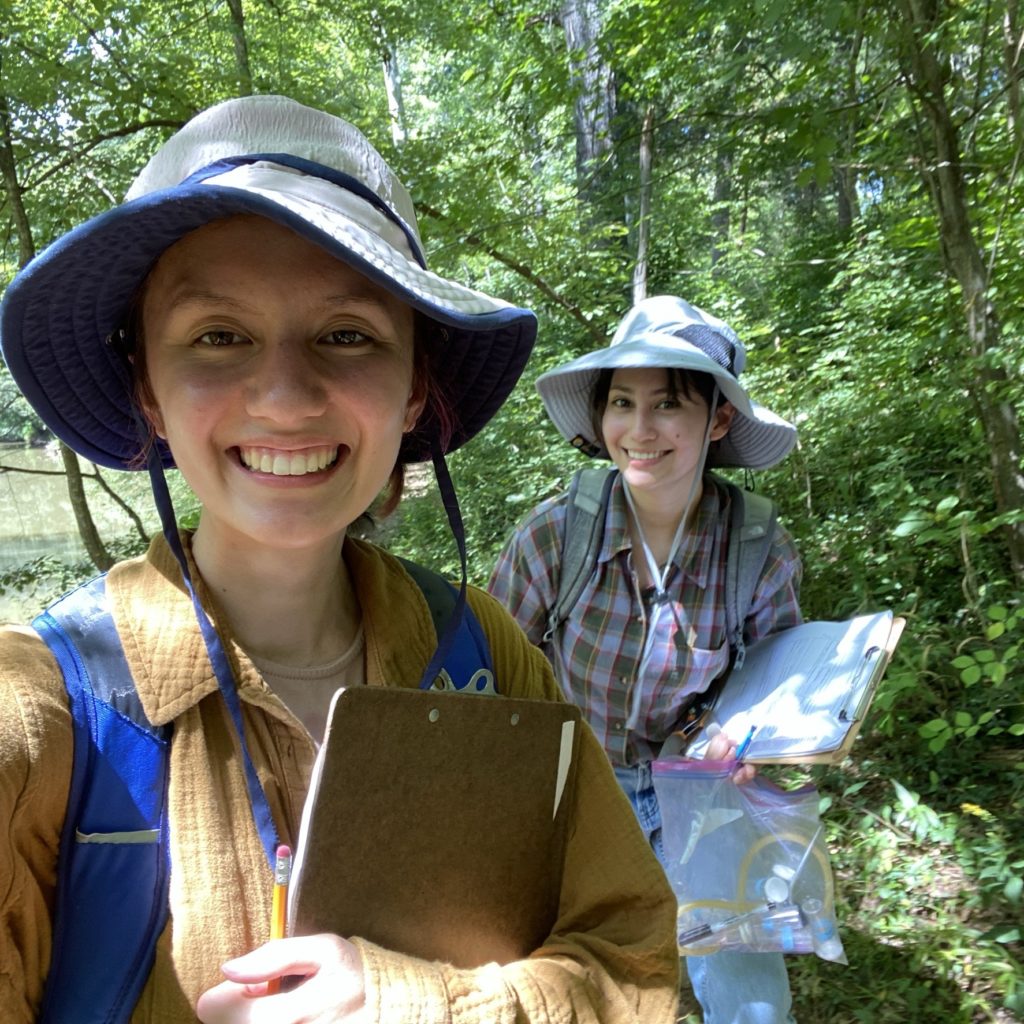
[36, 518]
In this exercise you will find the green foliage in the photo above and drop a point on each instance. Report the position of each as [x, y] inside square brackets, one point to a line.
[990, 700]
[40, 581]
[18, 421]
[791, 194]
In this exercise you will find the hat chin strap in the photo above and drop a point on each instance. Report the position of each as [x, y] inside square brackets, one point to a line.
[218, 657]
[451, 507]
[215, 648]
[684, 632]
[658, 575]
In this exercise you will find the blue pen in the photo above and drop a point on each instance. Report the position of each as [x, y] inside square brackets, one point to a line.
[745, 745]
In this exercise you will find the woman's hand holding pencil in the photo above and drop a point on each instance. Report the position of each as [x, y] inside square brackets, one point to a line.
[327, 970]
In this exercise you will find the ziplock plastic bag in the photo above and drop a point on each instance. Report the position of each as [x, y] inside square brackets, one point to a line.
[749, 864]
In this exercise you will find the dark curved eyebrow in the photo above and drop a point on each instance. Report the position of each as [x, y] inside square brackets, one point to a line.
[626, 389]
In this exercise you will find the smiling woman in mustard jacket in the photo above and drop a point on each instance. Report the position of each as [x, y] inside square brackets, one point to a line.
[258, 313]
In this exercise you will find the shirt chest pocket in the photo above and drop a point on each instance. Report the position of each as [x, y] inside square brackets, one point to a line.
[673, 663]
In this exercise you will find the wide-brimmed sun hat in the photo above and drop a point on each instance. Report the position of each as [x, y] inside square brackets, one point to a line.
[665, 331]
[266, 155]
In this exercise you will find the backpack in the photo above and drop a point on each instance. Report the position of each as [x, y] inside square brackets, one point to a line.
[751, 530]
[112, 887]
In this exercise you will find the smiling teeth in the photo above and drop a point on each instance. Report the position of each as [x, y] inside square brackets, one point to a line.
[643, 455]
[267, 460]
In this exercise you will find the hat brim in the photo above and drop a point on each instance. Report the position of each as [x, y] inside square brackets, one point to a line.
[58, 313]
[756, 439]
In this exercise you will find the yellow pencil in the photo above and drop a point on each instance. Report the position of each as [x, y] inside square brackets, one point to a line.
[279, 904]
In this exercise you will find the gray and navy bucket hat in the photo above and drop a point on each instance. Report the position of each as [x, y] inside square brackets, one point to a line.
[665, 331]
[266, 155]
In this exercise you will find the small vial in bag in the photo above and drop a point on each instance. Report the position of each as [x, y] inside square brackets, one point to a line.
[822, 928]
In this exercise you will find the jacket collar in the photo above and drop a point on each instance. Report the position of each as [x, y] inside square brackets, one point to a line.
[167, 656]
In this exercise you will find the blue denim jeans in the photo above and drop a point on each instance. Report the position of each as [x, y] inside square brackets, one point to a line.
[732, 988]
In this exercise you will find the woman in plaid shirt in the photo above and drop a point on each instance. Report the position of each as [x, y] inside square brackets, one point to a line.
[648, 633]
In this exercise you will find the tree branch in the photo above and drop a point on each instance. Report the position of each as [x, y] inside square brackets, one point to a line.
[87, 147]
[98, 477]
[120, 502]
[525, 272]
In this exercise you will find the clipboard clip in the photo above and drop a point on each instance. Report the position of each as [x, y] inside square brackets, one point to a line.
[869, 655]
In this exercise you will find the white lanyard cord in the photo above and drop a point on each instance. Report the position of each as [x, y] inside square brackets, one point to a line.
[659, 576]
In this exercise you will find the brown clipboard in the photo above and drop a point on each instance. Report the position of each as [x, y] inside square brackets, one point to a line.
[436, 823]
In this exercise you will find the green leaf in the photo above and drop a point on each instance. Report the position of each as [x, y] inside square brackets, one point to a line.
[985, 655]
[912, 524]
[971, 675]
[947, 504]
[906, 798]
[1002, 933]
[997, 612]
[963, 661]
[963, 719]
[996, 672]
[995, 630]
[805, 176]
[1013, 888]
[933, 728]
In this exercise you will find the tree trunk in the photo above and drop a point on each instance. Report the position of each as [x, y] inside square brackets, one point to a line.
[643, 228]
[241, 47]
[26, 250]
[845, 174]
[721, 214]
[26, 247]
[594, 108]
[94, 546]
[927, 76]
[393, 88]
[1013, 42]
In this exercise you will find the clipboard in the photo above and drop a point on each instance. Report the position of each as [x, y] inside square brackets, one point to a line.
[804, 691]
[436, 823]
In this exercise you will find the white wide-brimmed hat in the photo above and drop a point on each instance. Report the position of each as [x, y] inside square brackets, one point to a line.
[312, 172]
[665, 331]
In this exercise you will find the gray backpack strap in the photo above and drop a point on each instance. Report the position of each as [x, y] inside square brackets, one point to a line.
[585, 508]
[751, 531]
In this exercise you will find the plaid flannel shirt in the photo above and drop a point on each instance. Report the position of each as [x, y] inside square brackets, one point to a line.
[597, 653]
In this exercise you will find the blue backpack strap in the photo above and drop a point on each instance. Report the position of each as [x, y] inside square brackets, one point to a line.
[113, 863]
[468, 665]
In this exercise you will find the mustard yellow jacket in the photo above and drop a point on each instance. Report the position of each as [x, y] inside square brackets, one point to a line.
[611, 956]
